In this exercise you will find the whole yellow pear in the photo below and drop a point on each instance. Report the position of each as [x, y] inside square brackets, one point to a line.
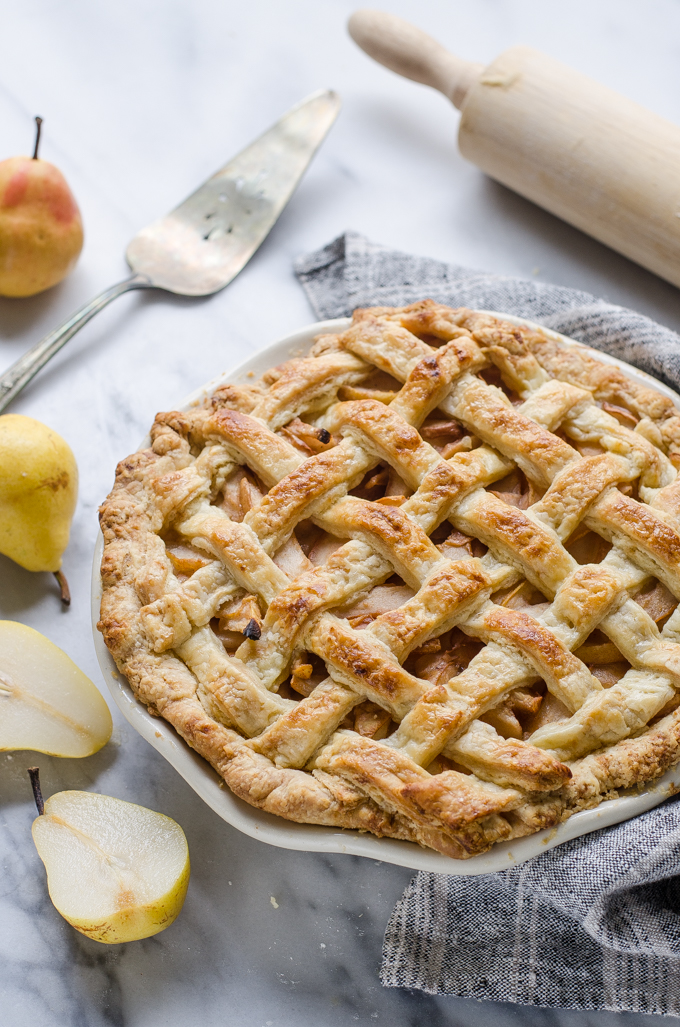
[38, 492]
[41, 231]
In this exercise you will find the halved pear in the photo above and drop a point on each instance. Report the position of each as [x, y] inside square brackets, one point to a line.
[116, 871]
[46, 702]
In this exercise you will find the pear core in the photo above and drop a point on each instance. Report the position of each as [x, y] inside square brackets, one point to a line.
[38, 493]
[116, 871]
[41, 230]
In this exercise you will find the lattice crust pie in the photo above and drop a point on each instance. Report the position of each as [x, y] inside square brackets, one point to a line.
[421, 583]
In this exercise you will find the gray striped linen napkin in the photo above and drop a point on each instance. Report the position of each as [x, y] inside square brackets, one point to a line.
[593, 923]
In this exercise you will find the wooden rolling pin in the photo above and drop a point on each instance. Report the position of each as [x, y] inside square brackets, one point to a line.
[596, 159]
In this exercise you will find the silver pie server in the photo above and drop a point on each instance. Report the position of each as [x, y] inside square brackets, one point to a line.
[200, 246]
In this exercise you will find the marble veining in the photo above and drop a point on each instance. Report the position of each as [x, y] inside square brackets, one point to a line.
[141, 102]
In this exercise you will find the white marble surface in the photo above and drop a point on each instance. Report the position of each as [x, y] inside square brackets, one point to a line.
[142, 100]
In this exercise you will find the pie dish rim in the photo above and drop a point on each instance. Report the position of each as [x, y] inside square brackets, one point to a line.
[283, 833]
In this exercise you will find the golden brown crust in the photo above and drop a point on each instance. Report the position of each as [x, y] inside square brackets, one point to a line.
[237, 479]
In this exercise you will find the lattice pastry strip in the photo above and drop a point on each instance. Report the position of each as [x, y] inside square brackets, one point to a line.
[157, 624]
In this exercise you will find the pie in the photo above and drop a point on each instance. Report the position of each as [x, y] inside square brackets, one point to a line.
[422, 582]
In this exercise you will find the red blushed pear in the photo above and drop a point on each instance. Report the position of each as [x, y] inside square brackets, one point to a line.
[41, 231]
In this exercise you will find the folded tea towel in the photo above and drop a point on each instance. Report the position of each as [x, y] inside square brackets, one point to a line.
[595, 922]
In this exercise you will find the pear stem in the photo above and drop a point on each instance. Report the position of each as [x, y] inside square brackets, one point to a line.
[34, 774]
[38, 124]
[63, 585]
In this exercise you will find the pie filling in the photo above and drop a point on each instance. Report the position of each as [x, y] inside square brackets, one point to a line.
[423, 582]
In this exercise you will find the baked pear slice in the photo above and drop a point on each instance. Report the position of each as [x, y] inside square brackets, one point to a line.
[46, 702]
[116, 871]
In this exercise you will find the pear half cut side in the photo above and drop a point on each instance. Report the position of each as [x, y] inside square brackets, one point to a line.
[116, 871]
[46, 702]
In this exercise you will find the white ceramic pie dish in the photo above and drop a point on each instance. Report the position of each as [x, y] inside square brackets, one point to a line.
[307, 837]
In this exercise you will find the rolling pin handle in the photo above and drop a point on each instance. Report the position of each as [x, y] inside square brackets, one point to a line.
[410, 52]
